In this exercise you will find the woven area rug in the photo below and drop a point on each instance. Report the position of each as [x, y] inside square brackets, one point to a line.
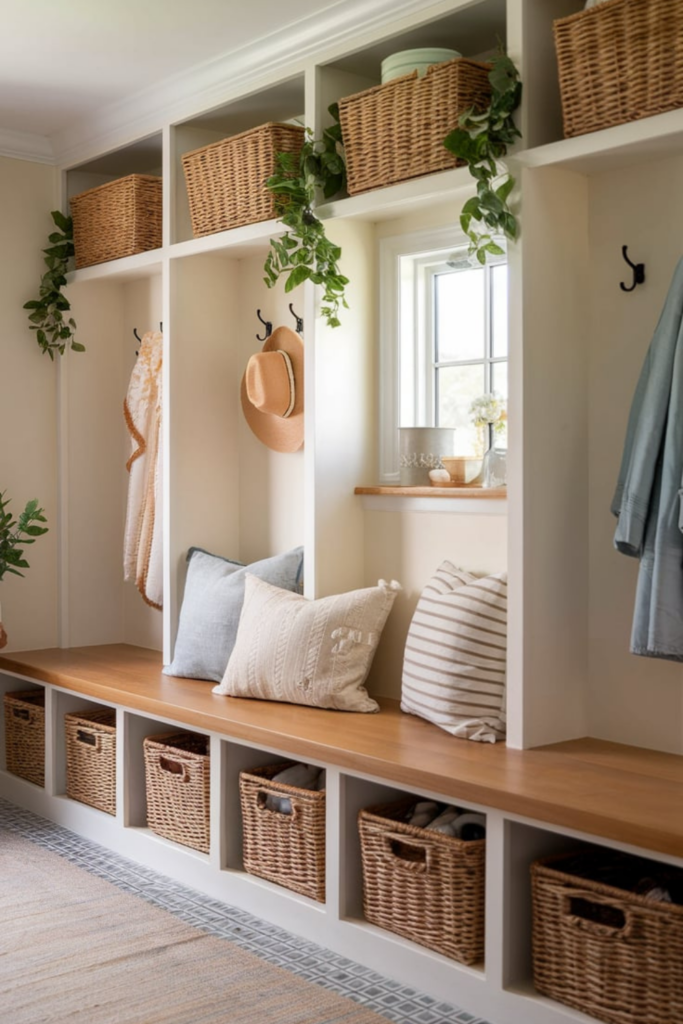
[359, 985]
[74, 948]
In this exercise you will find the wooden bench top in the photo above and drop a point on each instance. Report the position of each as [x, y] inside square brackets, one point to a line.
[621, 793]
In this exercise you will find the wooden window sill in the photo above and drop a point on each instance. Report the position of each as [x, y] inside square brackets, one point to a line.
[435, 492]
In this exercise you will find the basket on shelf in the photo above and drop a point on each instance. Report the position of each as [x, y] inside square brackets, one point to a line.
[91, 758]
[619, 61]
[25, 735]
[395, 131]
[288, 849]
[226, 180]
[423, 885]
[120, 218]
[177, 779]
[600, 947]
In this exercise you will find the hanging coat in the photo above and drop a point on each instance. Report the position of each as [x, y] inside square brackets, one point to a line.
[142, 554]
[647, 500]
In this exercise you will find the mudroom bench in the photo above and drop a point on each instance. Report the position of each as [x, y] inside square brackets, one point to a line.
[536, 802]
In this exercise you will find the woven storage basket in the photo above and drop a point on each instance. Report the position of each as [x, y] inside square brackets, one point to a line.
[602, 949]
[226, 180]
[424, 885]
[619, 61]
[285, 848]
[25, 735]
[117, 219]
[395, 131]
[177, 772]
[91, 758]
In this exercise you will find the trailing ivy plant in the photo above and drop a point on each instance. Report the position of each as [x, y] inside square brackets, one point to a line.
[481, 140]
[54, 331]
[16, 532]
[304, 252]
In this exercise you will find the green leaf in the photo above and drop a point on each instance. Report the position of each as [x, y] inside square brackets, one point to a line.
[46, 313]
[77, 347]
[305, 252]
[62, 222]
[297, 277]
[504, 190]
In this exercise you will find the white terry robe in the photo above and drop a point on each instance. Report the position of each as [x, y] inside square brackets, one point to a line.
[142, 547]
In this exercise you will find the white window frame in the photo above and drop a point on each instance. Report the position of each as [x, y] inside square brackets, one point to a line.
[404, 335]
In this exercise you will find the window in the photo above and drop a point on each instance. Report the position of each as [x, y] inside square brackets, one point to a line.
[443, 339]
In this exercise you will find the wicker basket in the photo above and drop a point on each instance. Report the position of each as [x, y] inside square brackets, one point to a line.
[424, 885]
[226, 180]
[91, 758]
[395, 131]
[25, 735]
[177, 772]
[285, 848]
[619, 61]
[602, 949]
[117, 219]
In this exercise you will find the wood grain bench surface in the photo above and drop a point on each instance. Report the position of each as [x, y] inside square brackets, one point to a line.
[628, 794]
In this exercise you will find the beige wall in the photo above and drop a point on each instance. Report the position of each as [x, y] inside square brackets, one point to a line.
[28, 399]
[409, 547]
[632, 699]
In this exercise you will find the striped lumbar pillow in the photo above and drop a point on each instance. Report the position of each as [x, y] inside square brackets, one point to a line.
[455, 655]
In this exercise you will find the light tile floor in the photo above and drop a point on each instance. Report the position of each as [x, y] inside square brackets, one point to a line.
[396, 1002]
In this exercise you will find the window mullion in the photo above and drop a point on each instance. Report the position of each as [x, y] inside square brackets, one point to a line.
[430, 388]
[488, 329]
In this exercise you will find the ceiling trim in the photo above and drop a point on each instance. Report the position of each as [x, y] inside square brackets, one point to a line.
[25, 146]
[216, 82]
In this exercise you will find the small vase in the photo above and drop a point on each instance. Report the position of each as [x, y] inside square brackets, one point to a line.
[494, 469]
[3, 634]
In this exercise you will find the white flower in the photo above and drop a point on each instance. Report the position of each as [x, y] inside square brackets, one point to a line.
[489, 408]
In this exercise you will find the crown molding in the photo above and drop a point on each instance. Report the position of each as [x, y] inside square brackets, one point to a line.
[24, 146]
[216, 82]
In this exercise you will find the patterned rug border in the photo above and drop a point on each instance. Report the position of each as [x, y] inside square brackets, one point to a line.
[398, 1003]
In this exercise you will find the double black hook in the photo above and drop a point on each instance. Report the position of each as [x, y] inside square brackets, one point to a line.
[269, 326]
[638, 271]
[139, 339]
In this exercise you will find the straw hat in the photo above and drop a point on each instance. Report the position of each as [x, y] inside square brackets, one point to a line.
[273, 391]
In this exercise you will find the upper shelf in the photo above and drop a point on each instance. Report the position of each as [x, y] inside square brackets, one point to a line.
[600, 152]
[651, 138]
[247, 240]
[404, 197]
[128, 268]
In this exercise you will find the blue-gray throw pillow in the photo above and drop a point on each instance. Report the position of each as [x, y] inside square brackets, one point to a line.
[212, 604]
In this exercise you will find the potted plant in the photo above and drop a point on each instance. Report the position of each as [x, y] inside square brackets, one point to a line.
[54, 330]
[481, 140]
[15, 534]
[304, 253]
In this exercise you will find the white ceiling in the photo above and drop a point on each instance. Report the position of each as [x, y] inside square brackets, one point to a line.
[63, 60]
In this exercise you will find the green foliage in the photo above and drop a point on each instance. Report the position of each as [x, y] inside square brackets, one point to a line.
[304, 252]
[15, 532]
[47, 317]
[481, 140]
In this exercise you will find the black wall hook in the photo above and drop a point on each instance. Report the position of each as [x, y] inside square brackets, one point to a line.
[299, 321]
[638, 271]
[268, 326]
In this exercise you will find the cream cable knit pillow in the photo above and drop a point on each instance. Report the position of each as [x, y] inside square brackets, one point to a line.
[319, 653]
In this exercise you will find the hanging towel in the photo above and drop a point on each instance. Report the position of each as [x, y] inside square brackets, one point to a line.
[142, 550]
[647, 500]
